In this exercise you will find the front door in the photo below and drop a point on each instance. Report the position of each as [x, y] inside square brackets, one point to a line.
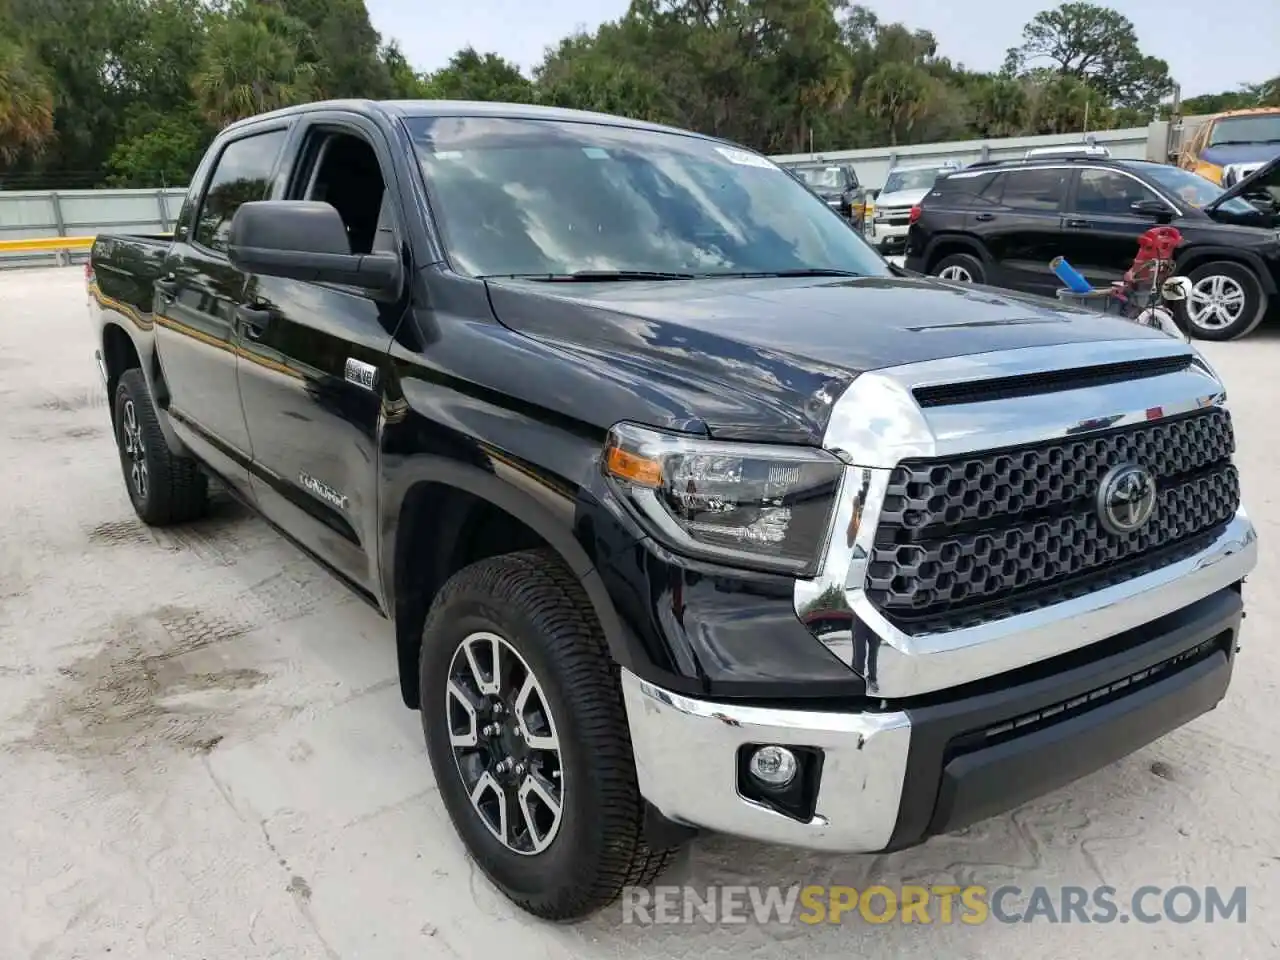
[197, 297]
[313, 368]
[1101, 232]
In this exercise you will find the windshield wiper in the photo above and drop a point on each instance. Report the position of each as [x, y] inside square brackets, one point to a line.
[593, 276]
[805, 272]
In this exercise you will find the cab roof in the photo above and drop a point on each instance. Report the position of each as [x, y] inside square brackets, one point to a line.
[405, 109]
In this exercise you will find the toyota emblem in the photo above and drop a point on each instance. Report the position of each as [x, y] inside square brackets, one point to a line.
[1126, 499]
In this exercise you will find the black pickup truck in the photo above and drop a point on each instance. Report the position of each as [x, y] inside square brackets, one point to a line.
[689, 511]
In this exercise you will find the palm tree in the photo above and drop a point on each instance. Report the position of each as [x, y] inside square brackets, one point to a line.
[247, 68]
[26, 104]
[898, 95]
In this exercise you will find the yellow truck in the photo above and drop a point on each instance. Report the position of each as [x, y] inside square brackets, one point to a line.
[1229, 146]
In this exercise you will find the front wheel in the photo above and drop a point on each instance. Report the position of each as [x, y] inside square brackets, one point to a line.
[960, 268]
[1226, 301]
[528, 737]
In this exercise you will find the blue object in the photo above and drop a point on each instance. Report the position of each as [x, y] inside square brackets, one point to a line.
[1069, 275]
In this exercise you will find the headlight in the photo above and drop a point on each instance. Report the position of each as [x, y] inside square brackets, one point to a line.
[753, 505]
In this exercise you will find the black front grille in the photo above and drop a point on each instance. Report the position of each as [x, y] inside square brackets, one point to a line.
[973, 539]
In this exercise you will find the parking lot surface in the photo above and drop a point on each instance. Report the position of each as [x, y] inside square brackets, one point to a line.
[203, 751]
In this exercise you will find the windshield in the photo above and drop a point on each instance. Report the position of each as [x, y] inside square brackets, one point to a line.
[1193, 189]
[910, 179]
[547, 197]
[821, 178]
[1259, 128]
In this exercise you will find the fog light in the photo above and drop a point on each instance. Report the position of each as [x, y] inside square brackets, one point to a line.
[775, 766]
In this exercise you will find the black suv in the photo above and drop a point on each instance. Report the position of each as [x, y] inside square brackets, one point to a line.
[1001, 223]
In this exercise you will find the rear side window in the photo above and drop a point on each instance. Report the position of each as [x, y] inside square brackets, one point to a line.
[243, 173]
[1033, 189]
[963, 190]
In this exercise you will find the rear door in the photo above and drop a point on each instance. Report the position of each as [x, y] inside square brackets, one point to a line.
[1100, 237]
[1021, 226]
[197, 295]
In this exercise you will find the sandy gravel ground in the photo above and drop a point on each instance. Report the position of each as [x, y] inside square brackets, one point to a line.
[203, 753]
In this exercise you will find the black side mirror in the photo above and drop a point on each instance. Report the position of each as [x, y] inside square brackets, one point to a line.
[306, 240]
[1155, 209]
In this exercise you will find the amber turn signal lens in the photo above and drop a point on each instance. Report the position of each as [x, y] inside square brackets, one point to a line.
[633, 468]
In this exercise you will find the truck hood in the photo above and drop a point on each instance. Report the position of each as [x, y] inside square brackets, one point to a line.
[1240, 153]
[783, 349]
[902, 198]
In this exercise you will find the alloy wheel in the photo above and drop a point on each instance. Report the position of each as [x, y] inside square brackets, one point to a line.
[1216, 301]
[504, 743]
[134, 451]
[956, 273]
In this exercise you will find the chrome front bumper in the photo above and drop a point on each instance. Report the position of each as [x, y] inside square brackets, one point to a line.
[687, 754]
[892, 777]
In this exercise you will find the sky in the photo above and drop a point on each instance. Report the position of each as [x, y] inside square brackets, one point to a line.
[1204, 56]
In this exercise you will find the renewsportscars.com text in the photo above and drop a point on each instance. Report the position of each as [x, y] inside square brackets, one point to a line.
[932, 905]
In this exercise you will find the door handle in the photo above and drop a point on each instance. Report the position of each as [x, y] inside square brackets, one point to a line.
[252, 321]
[1076, 223]
[984, 217]
[166, 287]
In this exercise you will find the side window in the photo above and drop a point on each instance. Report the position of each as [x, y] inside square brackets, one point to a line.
[966, 191]
[1034, 189]
[1110, 193]
[243, 173]
[344, 173]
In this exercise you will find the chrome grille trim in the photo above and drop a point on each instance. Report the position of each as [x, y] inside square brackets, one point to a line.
[876, 424]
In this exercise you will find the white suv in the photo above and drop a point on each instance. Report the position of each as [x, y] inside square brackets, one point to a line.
[904, 188]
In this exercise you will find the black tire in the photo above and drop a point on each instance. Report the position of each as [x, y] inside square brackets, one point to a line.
[172, 489]
[962, 262]
[537, 607]
[1234, 276]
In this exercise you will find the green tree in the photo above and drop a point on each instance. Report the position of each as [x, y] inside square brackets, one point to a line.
[587, 72]
[897, 95]
[1096, 45]
[26, 104]
[405, 84]
[341, 46]
[247, 68]
[1001, 107]
[474, 76]
[159, 149]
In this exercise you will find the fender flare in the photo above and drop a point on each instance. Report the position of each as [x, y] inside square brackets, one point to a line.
[1199, 254]
[551, 519]
[149, 364]
[976, 247]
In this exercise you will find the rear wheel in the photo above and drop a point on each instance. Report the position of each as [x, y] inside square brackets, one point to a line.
[163, 487]
[960, 268]
[528, 737]
[1226, 301]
